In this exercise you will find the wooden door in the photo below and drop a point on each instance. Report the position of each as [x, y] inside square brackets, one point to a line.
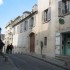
[32, 42]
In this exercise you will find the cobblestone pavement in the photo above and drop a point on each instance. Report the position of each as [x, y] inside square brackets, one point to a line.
[25, 62]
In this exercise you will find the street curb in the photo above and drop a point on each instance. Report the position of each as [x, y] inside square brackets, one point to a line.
[61, 66]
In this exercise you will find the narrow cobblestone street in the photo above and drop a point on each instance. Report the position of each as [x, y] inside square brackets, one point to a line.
[25, 62]
[30, 62]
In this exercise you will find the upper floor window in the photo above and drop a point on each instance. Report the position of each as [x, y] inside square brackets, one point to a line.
[45, 41]
[21, 27]
[31, 22]
[46, 15]
[64, 7]
[26, 25]
[14, 30]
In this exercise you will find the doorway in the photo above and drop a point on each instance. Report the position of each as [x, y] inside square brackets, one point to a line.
[66, 43]
[32, 42]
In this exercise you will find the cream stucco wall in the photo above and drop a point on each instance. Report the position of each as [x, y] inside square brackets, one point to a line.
[21, 40]
[48, 29]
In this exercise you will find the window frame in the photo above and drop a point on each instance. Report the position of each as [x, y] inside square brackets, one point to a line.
[63, 9]
[31, 24]
[25, 25]
[45, 41]
[21, 27]
[46, 15]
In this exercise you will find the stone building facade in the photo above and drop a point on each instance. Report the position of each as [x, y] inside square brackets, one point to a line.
[45, 30]
[55, 25]
[24, 29]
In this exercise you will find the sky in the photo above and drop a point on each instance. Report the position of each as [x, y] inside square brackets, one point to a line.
[10, 9]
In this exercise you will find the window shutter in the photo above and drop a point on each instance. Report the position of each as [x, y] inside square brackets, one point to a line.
[26, 25]
[69, 6]
[58, 44]
[60, 8]
[34, 20]
[21, 28]
[43, 16]
[49, 14]
[30, 23]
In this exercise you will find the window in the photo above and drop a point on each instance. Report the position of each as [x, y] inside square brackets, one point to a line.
[47, 15]
[25, 25]
[45, 41]
[14, 30]
[64, 7]
[18, 29]
[31, 22]
[21, 27]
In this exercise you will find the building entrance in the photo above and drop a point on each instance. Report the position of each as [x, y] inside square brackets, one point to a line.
[32, 42]
[66, 43]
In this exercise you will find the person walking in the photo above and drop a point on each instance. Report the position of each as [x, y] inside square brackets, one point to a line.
[8, 48]
[11, 47]
[1, 48]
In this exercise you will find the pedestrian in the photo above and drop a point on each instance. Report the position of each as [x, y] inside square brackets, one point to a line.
[1, 48]
[11, 47]
[8, 48]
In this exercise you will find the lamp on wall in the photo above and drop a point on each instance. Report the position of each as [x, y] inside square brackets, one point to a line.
[0, 32]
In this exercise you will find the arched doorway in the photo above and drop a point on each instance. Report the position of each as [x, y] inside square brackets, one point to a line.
[32, 42]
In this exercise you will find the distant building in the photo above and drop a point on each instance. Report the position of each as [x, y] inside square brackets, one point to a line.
[8, 34]
[2, 37]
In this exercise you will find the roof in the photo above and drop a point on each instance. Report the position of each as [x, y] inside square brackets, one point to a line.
[33, 13]
[26, 12]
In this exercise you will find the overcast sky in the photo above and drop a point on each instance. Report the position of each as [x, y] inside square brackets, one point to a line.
[10, 9]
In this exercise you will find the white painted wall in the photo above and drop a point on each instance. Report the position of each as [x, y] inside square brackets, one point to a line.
[21, 39]
[48, 29]
[41, 30]
[51, 28]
